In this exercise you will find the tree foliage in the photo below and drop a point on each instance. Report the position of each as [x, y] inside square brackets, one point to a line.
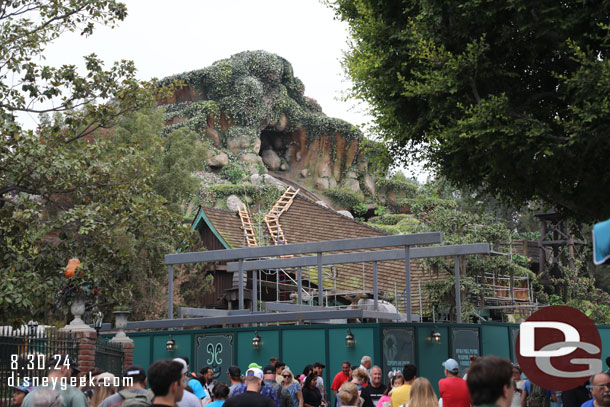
[74, 187]
[438, 207]
[510, 97]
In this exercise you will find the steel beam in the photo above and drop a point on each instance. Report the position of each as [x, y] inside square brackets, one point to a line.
[303, 248]
[254, 290]
[285, 307]
[375, 289]
[458, 297]
[299, 286]
[363, 257]
[407, 257]
[320, 281]
[240, 284]
[253, 318]
[170, 289]
[210, 312]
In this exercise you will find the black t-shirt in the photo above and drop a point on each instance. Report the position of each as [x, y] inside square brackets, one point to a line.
[313, 397]
[249, 399]
[371, 395]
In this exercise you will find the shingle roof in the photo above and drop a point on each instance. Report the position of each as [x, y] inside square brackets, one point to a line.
[306, 221]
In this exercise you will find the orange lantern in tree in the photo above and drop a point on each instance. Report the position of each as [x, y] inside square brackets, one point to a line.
[73, 264]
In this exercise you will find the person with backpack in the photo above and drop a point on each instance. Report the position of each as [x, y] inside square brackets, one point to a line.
[138, 388]
[166, 380]
[535, 396]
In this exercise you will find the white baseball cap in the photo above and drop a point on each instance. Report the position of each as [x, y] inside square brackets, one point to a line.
[256, 372]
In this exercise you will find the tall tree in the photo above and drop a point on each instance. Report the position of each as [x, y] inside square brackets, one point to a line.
[510, 97]
[72, 188]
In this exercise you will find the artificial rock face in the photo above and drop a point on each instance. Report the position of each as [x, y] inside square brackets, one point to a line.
[251, 104]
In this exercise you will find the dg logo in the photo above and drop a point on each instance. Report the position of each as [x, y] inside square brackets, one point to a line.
[559, 348]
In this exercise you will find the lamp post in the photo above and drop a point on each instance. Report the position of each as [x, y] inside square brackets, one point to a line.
[98, 318]
[32, 329]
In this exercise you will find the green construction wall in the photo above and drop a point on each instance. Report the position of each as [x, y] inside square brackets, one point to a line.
[604, 332]
[495, 340]
[301, 345]
[429, 356]
[246, 354]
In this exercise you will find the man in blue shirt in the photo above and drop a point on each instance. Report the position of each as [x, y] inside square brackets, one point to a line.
[266, 390]
[600, 390]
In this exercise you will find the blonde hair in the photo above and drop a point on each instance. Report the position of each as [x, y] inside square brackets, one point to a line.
[102, 391]
[422, 394]
[348, 394]
[361, 373]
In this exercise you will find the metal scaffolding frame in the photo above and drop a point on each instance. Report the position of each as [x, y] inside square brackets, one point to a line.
[258, 258]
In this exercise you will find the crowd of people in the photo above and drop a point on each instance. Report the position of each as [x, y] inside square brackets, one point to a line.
[168, 383]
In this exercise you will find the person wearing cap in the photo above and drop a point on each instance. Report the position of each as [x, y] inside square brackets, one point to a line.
[318, 370]
[453, 389]
[137, 376]
[234, 373]
[193, 383]
[282, 393]
[61, 369]
[19, 394]
[188, 398]
[265, 389]
[252, 396]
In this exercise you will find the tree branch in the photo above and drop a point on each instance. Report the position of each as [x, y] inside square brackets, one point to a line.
[475, 91]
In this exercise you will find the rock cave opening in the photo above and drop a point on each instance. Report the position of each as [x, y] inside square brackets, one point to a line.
[273, 149]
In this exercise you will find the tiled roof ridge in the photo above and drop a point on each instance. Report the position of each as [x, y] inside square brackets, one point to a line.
[338, 214]
[228, 211]
[306, 199]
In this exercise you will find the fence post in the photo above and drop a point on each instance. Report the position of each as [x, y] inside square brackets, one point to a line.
[127, 354]
[86, 350]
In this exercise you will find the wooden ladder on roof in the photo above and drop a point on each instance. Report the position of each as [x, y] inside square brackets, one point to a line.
[246, 225]
[272, 219]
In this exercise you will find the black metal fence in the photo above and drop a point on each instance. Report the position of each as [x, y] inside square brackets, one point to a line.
[109, 356]
[24, 354]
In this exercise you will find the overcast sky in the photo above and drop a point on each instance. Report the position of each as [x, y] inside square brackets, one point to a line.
[165, 38]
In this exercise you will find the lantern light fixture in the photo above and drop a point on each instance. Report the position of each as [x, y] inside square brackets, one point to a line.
[435, 337]
[170, 345]
[350, 341]
[257, 342]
